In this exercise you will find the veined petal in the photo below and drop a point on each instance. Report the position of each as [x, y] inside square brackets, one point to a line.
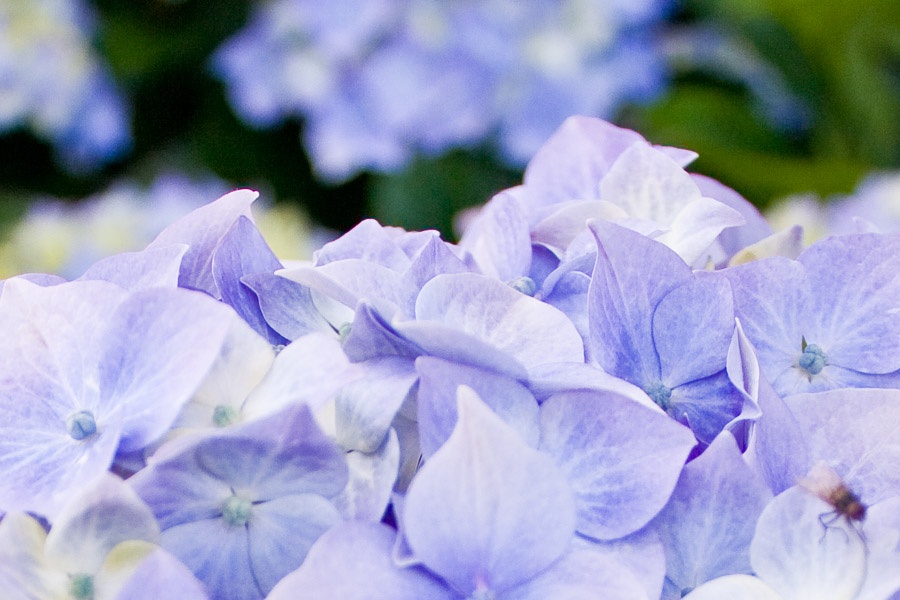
[94, 521]
[799, 556]
[201, 230]
[162, 343]
[487, 512]
[282, 531]
[371, 575]
[528, 330]
[716, 493]
[621, 459]
[735, 587]
[436, 401]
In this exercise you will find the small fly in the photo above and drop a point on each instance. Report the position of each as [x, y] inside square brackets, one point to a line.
[831, 489]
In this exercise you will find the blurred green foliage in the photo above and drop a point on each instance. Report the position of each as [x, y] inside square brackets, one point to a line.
[840, 59]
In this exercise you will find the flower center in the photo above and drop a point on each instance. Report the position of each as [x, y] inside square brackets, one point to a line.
[81, 425]
[525, 285]
[660, 394]
[81, 586]
[237, 511]
[224, 416]
[813, 359]
[344, 332]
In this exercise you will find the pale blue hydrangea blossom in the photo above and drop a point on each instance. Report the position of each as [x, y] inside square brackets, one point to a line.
[524, 470]
[53, 83]
[377, 81]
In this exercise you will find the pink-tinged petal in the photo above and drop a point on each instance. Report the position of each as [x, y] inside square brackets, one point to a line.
[487, 511]
[328, 572]
[201, 230]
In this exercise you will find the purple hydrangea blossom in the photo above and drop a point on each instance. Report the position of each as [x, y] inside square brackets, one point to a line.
[100, 545]
[486, 516]
[657, 325]
[827, 320]
[241, 506]
[376, 81]
[56, 86]
[406, 418]
[92, 369]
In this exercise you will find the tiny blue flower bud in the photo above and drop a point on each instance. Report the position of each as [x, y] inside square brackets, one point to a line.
[236, 511]
[81, 586]
[813, 360]
[224, 416]
[81, 425]
[344, 332]
[525, 285]
[660, 394]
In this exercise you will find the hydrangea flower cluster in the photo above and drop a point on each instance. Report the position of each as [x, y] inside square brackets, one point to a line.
[55, 85]
[618, 384]
[376, 80]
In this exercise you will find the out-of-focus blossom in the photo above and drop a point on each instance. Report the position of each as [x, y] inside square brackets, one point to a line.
[65, 238]
[378, 80]
[101, 546]
[53, 83]
[873, 207]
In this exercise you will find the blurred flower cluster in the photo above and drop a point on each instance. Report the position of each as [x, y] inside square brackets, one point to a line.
[620, 383]
[378, 81]
[411, 110]
[873, 207]
[65, 238]
[53, 82]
